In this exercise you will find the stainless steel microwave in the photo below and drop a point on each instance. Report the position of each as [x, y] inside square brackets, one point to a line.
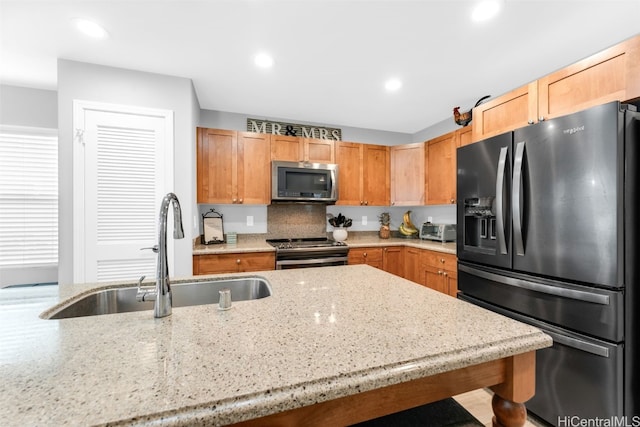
[304, 182]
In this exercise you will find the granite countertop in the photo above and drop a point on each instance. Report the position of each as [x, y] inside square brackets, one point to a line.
[257, 243]
[324, 333]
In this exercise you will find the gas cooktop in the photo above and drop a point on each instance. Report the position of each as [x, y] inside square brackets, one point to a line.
[304, 243]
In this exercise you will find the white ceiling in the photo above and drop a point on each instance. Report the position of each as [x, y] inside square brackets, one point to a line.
[332, 57]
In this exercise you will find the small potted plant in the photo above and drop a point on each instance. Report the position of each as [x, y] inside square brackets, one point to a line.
[340, 224]
[385, 220]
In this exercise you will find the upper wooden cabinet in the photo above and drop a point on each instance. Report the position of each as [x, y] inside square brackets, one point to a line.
[363, 174]
[440, 160]
[610, 75]
[507, 112]
[294, 149]
[465, 136]
[407, 174]
[231, 167]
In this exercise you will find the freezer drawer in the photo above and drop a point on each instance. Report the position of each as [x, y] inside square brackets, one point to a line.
[577, 376]
[591, 311]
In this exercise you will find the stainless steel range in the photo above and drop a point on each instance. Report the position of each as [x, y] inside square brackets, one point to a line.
[308, 252]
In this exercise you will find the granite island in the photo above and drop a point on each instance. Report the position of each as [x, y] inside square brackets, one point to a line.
[330, 346]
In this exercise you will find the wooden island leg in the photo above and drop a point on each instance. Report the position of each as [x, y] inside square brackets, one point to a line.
[507, 413]
[509, 397]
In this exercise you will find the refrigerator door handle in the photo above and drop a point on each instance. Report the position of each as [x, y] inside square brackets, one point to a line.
[502, 163]
[517, 183]
[538, 287]
[598, 350]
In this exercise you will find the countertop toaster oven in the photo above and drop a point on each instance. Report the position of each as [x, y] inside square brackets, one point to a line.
[439, 232]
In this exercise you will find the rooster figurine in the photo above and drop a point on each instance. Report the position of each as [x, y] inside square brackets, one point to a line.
[464, 119]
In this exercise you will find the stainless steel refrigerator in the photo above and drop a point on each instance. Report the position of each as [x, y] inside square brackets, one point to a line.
[547, 234]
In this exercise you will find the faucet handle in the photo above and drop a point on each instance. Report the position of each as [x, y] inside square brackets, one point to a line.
[154, 248]
[144, 294]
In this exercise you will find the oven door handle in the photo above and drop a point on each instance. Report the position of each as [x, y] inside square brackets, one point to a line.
[312, 261]
[538, 287]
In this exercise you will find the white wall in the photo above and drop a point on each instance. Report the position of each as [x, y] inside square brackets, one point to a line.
[92, 82]
[21, 106]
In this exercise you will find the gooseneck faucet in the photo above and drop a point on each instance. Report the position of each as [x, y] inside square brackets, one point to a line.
[162, 292]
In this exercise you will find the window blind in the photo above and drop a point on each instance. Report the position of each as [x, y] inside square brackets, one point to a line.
[28, 199]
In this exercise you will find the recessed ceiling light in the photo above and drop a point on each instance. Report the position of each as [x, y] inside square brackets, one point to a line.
[90, 28]
[484, 10]
[393, 85]
[263, 60]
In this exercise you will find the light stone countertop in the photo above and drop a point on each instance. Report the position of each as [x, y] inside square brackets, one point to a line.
[324, 333]
[257, 243]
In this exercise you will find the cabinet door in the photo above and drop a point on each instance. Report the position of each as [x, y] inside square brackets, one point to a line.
[452, 282]
[287, 148]
[601, 78]
[216, 164]
[369, 256]
[392, 260]
[413, 265]
[407, 175]
[507, 112]
[375, 175]
[258, 261]
[441, 170]
[349, 158]
[465, 135]
[233, 262]
[319, 151]
[254, 169]
[434, 278]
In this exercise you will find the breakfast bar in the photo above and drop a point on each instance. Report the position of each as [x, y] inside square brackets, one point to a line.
[330, 346]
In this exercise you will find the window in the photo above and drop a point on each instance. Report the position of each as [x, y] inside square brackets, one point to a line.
[28, 205]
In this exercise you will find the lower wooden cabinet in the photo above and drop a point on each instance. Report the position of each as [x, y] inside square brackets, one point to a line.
[392, 260]
[413, 264]
[389, 258]
[440, 272]
[369, 256]
[233, 262]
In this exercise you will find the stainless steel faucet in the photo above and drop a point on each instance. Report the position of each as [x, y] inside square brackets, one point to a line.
[162, 292]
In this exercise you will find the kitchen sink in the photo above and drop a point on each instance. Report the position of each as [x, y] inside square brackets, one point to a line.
[123, 300]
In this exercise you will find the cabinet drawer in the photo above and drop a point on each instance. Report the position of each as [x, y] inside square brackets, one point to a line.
[365, 255]
[233, 262]
[440, 260]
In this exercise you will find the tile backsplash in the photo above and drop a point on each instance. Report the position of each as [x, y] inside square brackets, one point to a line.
[293, 220]
[299, 220]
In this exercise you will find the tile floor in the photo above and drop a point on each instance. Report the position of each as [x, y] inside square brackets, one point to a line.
[478, 403]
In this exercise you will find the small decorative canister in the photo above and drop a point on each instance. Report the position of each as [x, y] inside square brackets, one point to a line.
[340, 234]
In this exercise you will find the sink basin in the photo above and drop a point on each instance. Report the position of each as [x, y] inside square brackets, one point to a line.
[122, 300]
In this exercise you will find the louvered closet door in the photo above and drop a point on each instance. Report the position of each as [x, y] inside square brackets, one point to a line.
[124, 185]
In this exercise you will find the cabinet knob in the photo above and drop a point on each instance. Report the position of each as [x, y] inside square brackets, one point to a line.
[541, 119]
[361, 202]
[452, 201]
[440, 272]
[530, 121]
[385, 249]
[240, 201]
[238, 261]
[366, 203]
[442, 260]
[235, 200]
[445, 274]
[364, 254]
